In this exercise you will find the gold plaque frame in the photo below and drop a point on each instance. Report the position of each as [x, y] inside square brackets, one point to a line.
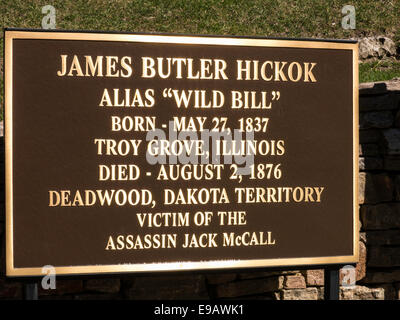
[10, 35]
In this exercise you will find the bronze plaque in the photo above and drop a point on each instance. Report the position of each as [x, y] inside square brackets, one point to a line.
[138, 153]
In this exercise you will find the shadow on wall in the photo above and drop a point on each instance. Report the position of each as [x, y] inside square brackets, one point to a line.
[379, 179]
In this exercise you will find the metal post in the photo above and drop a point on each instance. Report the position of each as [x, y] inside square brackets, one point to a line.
[31, 291]
[331, 280]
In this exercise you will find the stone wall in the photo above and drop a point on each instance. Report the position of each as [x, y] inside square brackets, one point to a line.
[380, 185]
[378, 272]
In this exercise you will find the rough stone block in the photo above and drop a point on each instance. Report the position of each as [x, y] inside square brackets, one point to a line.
[391, 140]
[393, 85]
[111, 285]
[361, 266]
[383, 257]
[384, 102]
[380, 216]
[383, 238]
[296, 281]
[300, 294]
[362, 176]
[361, 293]
[185, 287]
[377, 120]
[374, 88]
[374, 188]
[314, 277]
[376, 46]
[249, 287]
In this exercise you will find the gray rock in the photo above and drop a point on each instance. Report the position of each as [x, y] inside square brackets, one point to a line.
[300, 294]
[376, 47]
[361, 293]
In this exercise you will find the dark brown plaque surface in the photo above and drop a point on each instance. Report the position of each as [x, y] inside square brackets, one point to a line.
[298, 206]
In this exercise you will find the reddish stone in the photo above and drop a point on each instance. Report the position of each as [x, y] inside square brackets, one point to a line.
[361, 293]
[315, 277]
[300, 294]
[362, 262]
[294, 282]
